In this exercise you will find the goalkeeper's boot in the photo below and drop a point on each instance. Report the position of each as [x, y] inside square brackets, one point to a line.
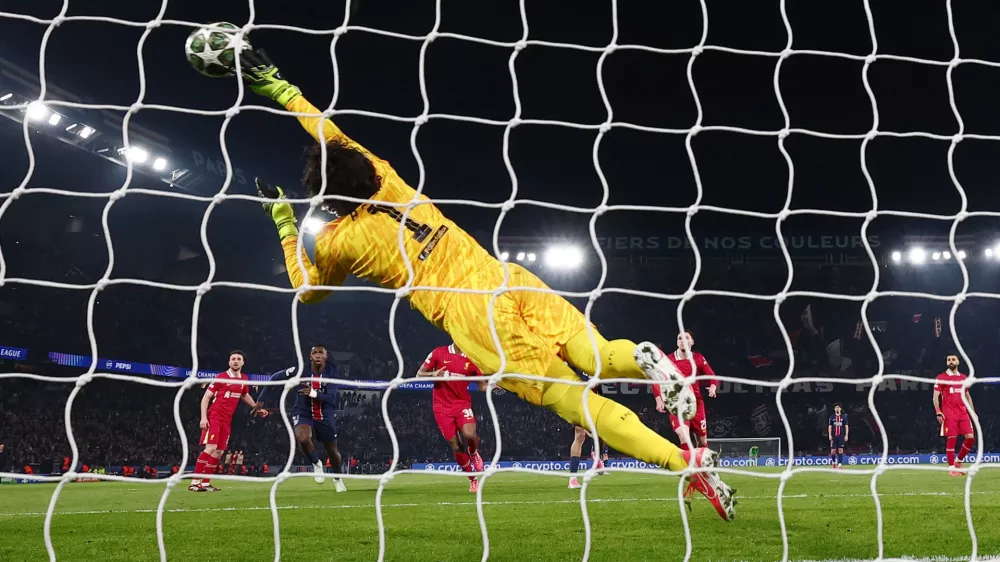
[574, 484]
[210, 488]
[196, 488]
[473, 484]
[678, 398]
[338, 484]
[477, 462]
[718, 493]
[320, 473]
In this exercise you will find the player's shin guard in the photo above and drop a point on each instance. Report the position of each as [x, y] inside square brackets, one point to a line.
[949, 448]
[840, 458]
[966, 447]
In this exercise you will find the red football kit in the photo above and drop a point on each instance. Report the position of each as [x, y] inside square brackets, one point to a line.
[698, 424]
[220, 411]
[956, 417]
[452, 403]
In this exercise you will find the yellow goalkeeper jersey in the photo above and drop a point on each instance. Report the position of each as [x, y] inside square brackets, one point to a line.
[366, 242]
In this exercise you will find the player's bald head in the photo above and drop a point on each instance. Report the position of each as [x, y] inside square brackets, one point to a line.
[348, 172]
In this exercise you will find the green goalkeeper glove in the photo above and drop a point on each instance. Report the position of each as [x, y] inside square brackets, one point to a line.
[265, 79]
[280, 211]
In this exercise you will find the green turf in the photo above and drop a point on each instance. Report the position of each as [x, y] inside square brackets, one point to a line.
[433, 517]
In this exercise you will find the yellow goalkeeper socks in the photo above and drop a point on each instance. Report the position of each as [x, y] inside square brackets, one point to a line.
[621, 429]
[617, 356]
[617, 426]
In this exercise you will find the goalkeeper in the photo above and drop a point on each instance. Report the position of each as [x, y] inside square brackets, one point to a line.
[537, 330]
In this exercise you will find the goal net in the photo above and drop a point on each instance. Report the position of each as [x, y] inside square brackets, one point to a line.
[755, 75]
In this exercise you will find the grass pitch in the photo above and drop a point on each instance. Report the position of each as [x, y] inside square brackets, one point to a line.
[432, 517]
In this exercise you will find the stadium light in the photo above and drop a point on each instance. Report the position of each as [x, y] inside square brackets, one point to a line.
[312, 225]
[54, 119]
[918, 255]
[37, 110]
[961, 254]
[531, 256]
[936, 256]
[520, 256]
[896, 256]
[6, 97]
[504, 256]
[947, 255]
[85, 132]
[989, 252]
[564, 257]
[160, 164]
[136, 154]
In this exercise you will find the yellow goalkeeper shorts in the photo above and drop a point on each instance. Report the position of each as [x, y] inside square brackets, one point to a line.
[532, 326]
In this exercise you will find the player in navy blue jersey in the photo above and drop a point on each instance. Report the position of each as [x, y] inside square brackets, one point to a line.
[314, 410]
[837, 431]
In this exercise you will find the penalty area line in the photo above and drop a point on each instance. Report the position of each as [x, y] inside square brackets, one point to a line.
[470, 503]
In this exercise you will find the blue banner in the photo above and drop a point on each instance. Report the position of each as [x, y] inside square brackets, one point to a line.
[728, 462]
[121, 366]
[16, 353]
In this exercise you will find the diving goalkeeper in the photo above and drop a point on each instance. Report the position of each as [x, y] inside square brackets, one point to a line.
[537, 330]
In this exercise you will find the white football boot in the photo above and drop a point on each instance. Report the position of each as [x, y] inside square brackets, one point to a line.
[320, 473]
[678, 397]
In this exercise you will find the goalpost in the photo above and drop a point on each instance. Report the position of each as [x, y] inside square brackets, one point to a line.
[750, 448]
[517, 119]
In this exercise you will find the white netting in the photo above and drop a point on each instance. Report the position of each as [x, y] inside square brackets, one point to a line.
[516, 120]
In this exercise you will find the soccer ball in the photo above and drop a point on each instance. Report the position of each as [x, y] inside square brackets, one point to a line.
[212, 52]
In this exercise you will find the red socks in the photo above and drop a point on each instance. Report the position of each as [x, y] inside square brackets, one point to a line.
[465, 462]
[206, 465]
[949, 448]
[966, 447]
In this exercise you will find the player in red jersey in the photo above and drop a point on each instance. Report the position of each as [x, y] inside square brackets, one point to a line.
[956, 424]
[698, 425]
[453, 406]
[217, 407]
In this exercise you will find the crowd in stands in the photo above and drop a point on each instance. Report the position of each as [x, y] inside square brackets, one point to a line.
[118, 424]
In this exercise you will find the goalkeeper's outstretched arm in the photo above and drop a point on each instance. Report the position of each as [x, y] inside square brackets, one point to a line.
[265, 79]
[283, 216]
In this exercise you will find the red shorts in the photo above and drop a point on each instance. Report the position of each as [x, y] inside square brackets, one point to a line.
[697, 425]
[217, 433]
[450, 419]
[956, 427]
